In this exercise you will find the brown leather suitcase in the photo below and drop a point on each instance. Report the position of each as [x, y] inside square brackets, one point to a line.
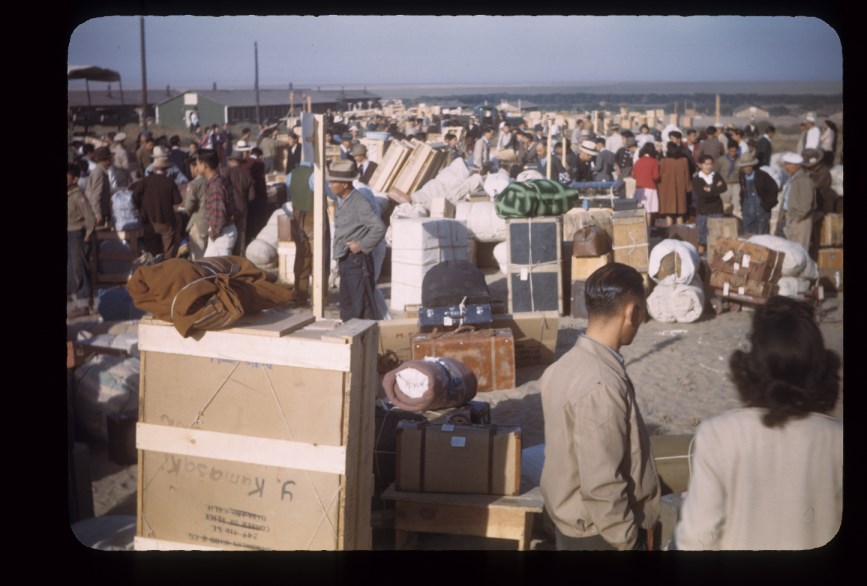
[489, 353]
[590, 241]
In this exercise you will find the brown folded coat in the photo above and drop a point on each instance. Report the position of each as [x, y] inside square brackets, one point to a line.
[207, 294]
[449, 384]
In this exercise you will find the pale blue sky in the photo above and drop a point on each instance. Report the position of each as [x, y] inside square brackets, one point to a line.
[192, 51]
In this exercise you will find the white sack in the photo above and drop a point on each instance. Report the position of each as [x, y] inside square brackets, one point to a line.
[481, 220]
[405, 210]
[268, 234]
[837, 179]
[500, 253]
[261, 253]
[793, 286]
[797, 262]
[689, 261]
[676, 302]
[495, 183]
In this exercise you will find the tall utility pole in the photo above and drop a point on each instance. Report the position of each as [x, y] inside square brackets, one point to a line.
[256, 55]
[144, 78]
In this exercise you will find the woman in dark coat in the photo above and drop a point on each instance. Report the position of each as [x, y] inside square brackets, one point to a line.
[707, 185]
[674, 182]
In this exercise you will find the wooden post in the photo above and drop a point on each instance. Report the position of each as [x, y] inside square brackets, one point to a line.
[550, 150]
[563, 146]
[320, 219]
[717, 109]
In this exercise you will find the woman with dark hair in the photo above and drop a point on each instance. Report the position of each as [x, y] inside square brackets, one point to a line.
[769, 475]
[674, 182]
[646, 175]
[707, 185]
[828, 142]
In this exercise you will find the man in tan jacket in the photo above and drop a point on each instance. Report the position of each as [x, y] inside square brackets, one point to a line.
[599, 481]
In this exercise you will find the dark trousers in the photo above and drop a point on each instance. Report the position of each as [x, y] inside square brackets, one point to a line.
[77, 268]
[357, 287]
[592, 543]
[161, 239]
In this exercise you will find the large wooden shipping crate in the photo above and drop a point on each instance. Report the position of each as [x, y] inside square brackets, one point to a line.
[253, 438]
[630, 242]
[534, 258]
[831, 230]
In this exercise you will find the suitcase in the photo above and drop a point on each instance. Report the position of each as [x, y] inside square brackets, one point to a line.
[454, 292]
[747, 259]
[387, 419]
[489, 353]
[591, 241]
[462, 459]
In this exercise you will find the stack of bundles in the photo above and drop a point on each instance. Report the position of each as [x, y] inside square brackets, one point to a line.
[537, 197]
[124, 214]
[679, 293]
[830, 257]
[452, 184]
[430, 384]
[798, 271]
[418, 244]
[591, 249]
[495, 183]
[746, 268]
[403, 211]
[390, 166]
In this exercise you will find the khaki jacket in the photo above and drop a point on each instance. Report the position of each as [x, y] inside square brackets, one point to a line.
[599, 477]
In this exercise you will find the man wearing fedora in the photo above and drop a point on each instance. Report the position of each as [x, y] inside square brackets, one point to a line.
[799, 202]
[357, 231]
[758, 194]
[812, 133]
[170, 170]
[156, 197]
[366, 167]
[98, 186]
[482, 151]
[346, 146]
[826, 197]
[586, 156]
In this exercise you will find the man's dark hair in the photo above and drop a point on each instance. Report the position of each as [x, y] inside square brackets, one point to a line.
[610, 286]
[73, 169]
[450, 136]
[209, 157]
[256, 151]
[770, 128]
[690, 131]
[704, 158]
[245, 131]
[711, 130]
[648, 149]
[175, 140]
[87, 148]
[787, 371]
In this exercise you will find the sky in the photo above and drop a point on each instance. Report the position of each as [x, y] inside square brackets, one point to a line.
[196, 51]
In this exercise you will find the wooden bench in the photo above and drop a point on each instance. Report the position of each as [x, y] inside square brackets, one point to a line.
[503, 517]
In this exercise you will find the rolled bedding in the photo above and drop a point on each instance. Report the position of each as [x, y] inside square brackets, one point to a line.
[677, 302]
[430, 384]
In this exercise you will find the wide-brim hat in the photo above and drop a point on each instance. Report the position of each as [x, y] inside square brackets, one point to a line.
[809, 118]
[343, 171]
[811, 157]
[358, 149]
[588, 147]
[159, 152]
[102, 154]
[242, 146]
[346, 136]
[161, 163]
[748, 160]
[119, 137]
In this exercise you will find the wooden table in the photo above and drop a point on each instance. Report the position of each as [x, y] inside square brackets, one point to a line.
[503, 517]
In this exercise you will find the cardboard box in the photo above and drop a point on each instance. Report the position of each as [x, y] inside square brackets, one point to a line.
[685, 232]
[830, 258]
[286, 262]
[831, 231]
[534, 260]
[257, 437]
[630, 241]
[584, 267]
[671, 456]
[441, 207]
[462, 459]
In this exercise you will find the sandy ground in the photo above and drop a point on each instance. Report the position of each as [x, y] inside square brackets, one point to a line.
[679, 372]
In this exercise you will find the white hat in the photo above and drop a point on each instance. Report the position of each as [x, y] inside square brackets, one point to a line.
[119, 137]
[589, 147]
[243, 145]
[810, 118]
[529, 174]
[793, 158]
[159, 152]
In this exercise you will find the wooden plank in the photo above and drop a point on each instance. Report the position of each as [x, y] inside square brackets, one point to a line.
[412, 168]
[285, 351]
[461, 519]
[320, 219]
[240, 448]
[273, 323]
[149, 544]
[346, 333]
[530, 500]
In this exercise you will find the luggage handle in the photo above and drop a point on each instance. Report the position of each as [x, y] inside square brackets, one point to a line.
[460, 329]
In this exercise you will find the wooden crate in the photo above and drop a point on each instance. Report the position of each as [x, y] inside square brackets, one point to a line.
[830, 258]
[831, 230]
[286, 262]
[534, 261]
[393, 161]
[258, 437]
[630, 239]
[100, 259]
[725, 227]
[584, 267]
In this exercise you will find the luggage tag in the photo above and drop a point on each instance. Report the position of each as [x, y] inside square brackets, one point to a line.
[741, 290]
[725, 288]
[728, 256]
[745, 261]
[525, 274]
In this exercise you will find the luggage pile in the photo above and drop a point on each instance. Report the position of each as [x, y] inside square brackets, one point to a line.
[745, 270]
[406, 166]
[830, 255]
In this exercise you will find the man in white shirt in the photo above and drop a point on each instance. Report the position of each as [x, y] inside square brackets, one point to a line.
[812, 133]
[482, 151]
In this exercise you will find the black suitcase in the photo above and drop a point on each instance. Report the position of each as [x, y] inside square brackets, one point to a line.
[454, 293]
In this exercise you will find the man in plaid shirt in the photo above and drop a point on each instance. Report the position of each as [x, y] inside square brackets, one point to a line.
[219, 206]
